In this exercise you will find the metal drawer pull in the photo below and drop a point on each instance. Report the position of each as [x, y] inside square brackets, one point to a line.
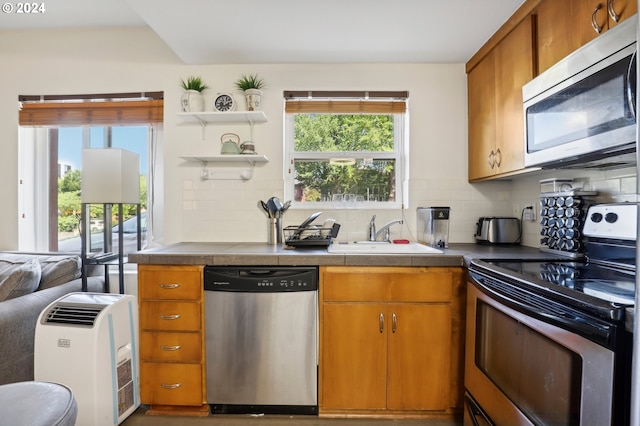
[169, 286]
[170, 317]
[594, 22]
[381, 322]
[394, 322]
[170, 348]
[173, 386]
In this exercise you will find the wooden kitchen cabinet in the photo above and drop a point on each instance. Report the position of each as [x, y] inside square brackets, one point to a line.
[391, 340]
[171, 322]
[565, 25]
[496, 123]
[482, 118]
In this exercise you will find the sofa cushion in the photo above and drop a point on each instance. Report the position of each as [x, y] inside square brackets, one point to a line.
[19, 279]
[56, 268]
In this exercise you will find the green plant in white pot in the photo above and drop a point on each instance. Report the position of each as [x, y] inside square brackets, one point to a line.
[251, 85]
[192, 99]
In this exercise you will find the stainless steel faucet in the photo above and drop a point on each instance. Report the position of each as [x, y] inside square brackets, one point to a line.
[373, 235]
[372, 228]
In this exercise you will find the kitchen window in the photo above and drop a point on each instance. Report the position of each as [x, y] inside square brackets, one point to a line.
[53, 132]
[346, 149]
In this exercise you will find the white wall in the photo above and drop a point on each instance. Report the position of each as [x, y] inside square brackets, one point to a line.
[128, 60]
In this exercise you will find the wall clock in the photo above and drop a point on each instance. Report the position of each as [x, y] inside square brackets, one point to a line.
[224, 102]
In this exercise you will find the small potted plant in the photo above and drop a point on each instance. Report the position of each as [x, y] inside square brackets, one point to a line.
[251, 85]
[192, 99]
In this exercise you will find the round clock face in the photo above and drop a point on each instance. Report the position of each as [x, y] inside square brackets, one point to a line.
[224, 102]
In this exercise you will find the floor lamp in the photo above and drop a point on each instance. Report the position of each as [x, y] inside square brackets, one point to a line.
[109, 176]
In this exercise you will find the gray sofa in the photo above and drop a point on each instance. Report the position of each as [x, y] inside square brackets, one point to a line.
[29, 282]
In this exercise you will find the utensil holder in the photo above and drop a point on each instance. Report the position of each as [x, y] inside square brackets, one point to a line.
[274, 234]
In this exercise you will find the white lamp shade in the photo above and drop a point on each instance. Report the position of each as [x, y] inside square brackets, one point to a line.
[110, 176]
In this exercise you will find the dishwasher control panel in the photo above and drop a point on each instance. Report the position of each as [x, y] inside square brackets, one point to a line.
[260, 279]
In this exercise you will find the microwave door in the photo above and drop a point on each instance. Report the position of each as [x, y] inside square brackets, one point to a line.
[589, 118]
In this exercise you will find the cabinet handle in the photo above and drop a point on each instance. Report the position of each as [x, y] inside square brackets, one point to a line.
[169, 286]
[612, 11]
[594, 22]
[381, 322]
[394, 322]
[173, 386]
[498, 158]
[170, 317]
[491, 159]
[170, 348]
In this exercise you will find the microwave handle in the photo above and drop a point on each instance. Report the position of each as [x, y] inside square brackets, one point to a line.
[631, 84]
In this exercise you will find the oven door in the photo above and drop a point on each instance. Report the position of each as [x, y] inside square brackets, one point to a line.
[521, 370]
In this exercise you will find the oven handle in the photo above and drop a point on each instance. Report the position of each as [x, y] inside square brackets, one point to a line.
[596, 330]
[476, 414]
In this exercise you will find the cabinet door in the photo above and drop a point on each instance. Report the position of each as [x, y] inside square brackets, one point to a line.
[514, 66]
[419, 356]
[482, 117]
[565, 25]
[557, 36]
[354, 356]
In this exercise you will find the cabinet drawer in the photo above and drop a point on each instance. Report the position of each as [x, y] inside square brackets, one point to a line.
[171, 347]
[385, 284]
[170, 316]
[170, 282]
[171, 384]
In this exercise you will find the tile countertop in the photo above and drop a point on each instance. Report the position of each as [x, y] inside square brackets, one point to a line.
[200, 253]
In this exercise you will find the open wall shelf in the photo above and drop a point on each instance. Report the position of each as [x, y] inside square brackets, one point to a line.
[250, 117]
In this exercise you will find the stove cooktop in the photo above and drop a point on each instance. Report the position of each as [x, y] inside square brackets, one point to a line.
[601, 283]
[582, 278]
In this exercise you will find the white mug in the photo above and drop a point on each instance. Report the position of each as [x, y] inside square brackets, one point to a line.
[248, 147]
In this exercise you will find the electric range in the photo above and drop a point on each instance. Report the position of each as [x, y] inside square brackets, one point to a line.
[602, 282]
[546, 340]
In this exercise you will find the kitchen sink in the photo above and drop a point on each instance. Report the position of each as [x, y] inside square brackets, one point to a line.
[365, 247]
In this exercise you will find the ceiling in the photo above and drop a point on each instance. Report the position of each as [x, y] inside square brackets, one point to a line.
[292, 31]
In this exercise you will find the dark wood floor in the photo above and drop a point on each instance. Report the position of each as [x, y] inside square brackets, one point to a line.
[140, 419]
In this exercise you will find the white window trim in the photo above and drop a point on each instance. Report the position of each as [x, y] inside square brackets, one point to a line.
[401, 136]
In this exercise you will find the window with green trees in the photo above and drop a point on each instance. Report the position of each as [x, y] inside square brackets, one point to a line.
[345, 152]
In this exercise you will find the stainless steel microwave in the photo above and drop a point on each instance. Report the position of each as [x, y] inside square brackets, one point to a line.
[581, 112]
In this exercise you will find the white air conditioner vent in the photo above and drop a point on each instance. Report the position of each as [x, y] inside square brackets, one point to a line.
[76, 315]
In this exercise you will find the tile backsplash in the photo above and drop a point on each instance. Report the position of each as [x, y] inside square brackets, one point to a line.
[244, 222]
[612, 186]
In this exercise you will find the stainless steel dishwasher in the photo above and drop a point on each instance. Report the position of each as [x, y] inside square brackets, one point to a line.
[261, 339]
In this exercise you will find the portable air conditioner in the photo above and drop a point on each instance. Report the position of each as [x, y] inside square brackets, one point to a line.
[88, 341]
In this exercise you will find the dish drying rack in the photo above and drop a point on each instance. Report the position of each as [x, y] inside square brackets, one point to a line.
[310, 236]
